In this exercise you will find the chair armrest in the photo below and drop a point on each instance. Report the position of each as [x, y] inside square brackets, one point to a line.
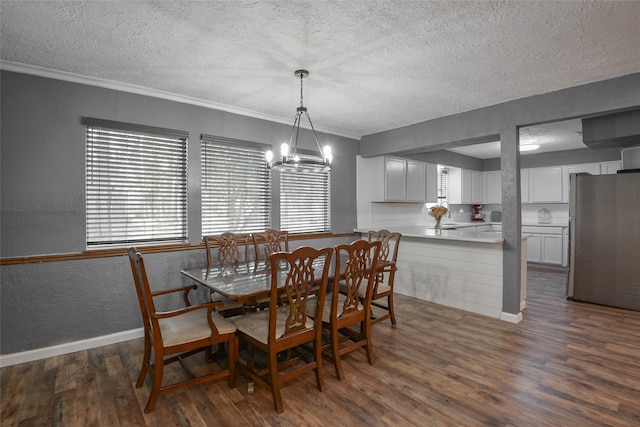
[210, 306]
[184, 289]
[173, 313]
[387, 266]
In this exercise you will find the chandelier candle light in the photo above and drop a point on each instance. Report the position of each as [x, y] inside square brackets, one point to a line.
[292, 161]
[438, 212]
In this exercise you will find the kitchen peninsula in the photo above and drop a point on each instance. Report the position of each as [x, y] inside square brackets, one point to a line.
[459, 268]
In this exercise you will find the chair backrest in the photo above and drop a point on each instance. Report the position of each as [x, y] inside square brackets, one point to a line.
[232, 248]
[295, 277]
[390, 242]
[272, 241]
[355, 265]
[142, 288]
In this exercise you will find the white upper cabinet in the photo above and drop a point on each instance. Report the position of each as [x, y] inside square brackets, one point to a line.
[492, 191]
[591, 168]
[608, 168]
[395, 179]
[545, 185]
[464, 186]
[392, 179]
[416, 181]
[431, 183]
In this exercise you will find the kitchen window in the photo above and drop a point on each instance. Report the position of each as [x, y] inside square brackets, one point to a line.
[305, 202]
[236, 186]
[136, 184]
[443, 180]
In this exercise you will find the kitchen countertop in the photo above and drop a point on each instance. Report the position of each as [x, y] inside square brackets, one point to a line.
[459, 235]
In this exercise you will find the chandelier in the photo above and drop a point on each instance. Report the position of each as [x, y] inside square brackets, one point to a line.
[290, 159]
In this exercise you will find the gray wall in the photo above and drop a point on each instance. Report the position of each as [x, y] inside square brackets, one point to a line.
[43, 153]
[42, 195]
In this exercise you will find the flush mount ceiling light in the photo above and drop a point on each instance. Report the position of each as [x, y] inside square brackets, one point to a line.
[529, 147]
[290, 159]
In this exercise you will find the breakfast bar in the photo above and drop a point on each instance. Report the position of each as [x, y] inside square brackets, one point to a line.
[457, 268]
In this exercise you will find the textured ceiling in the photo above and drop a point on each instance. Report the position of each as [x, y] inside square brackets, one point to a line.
[375, 65]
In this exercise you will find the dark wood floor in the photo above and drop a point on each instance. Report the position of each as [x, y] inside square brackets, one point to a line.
[565, 364]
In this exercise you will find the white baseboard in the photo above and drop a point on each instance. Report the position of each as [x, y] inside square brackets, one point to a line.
[510, 317]
[57, 350]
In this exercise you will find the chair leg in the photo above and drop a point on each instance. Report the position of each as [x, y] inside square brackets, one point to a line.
[335, 350]
[369, 345]
[145, 361]
[392, 312]
[318, 358]
[157, 382]
[275, 383]
[232, 358]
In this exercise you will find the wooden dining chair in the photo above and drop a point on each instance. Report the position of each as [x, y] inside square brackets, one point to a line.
[231, 249]
[385, 276]
[271, 241]
[285, 328]
[346, 316]
[176, 334]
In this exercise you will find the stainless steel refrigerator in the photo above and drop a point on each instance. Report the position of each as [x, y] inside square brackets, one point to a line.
[604, 239]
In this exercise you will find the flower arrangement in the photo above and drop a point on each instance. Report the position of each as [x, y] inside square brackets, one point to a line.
[438, 212]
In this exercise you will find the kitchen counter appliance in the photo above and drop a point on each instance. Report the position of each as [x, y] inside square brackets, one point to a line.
[604, 239]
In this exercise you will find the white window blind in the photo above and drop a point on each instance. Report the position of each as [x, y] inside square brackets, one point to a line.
[305, 202]
[236, 186]
[443, 176]
[136, 184]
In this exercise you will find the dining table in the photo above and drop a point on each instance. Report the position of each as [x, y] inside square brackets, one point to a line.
[244, 282]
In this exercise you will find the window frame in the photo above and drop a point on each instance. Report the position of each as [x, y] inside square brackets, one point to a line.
[253, 169]
[122, 192]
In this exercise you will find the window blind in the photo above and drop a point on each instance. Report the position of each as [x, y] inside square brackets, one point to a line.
[305, 202]
[442, 183]
[136, 184]
[236, 186]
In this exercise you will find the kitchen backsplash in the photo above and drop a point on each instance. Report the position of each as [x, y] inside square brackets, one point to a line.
[559, 212]
[407, 214]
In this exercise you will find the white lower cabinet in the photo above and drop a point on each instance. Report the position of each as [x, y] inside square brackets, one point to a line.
[551, 251]
[545, 245]
[533, 248]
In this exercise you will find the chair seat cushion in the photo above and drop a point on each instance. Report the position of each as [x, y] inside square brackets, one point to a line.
[192, 326]
[256, 324]
[326, 310]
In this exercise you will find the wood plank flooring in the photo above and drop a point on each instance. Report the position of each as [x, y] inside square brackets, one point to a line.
[565, 364]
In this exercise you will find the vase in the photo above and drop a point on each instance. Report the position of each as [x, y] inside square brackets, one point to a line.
[438, 227]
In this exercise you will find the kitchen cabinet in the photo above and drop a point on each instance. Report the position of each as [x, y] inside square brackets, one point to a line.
[416, 182]
[608, 168]
[492, 187]
[404, 180]
[464, 186]
[431, 183]
[545, 185]
[533, 248]
[395, 179]
[391, 179]
[551, 249]
[544, 244]
[590, 168]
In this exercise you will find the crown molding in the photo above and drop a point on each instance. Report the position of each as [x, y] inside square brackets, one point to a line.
[35, 70]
